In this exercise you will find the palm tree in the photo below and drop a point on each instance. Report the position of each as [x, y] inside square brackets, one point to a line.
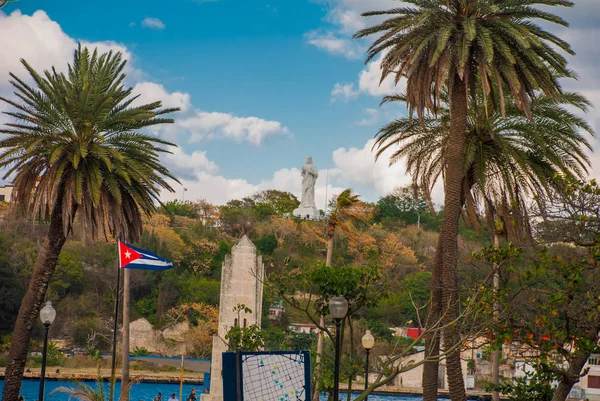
[462, 44]
[76, 147]
[509, 160]
[342, 209]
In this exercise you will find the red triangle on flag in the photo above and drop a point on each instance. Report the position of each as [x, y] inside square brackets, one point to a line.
[127, 255]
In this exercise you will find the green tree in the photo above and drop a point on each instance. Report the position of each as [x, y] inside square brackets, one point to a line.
[69, 271]
[11, 291]
[279, 202]
[463, 44]
[182, 208]
[76, 148]
[403, 206]
[266, 244]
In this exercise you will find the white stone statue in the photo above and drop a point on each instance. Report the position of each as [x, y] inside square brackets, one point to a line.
[308, 208]
[309, 179]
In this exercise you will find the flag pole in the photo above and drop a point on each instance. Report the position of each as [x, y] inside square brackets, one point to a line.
[125, 352]
[115, 324]
[181, 381]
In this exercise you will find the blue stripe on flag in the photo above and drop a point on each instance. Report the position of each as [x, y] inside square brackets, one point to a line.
[148, 261]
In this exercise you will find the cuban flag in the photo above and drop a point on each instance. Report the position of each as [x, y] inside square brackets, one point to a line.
[131, 257]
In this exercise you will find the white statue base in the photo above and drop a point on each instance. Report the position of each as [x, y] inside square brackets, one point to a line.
[307, 213]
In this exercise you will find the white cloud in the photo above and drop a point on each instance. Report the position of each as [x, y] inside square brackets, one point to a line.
[219, 190]
[153, 23]
[335, 45]
[369, 83]
[151, 92]
[186, 166]
[210, 125]
[346, 14]
[359, 167]
[41, 42]
[44, 44]
[345, 19]
[354, 167]
[343, 92]
[371, 117]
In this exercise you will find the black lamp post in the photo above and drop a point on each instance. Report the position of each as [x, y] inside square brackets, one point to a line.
[368, 341]
[338, 307]
[47, 316]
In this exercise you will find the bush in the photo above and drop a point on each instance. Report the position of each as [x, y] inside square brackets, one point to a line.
[140, 351]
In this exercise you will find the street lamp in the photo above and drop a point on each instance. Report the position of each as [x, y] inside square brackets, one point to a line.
[47, 316]
[368, 341]
[338, 307]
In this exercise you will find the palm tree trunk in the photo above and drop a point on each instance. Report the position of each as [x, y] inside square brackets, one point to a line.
[315, 395]
[432, 340]
[449, 235]
[43, 270]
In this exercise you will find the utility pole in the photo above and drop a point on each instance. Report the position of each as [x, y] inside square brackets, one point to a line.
[125, 364]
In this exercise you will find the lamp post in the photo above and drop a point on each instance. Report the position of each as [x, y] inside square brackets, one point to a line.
[47, 316]
[338, 307]
[368, 341]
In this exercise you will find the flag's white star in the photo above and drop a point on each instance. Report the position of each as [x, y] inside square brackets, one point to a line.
[127, 254]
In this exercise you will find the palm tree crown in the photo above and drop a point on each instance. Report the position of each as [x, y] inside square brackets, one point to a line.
[494, 43]
[507, 159]
[77, 142]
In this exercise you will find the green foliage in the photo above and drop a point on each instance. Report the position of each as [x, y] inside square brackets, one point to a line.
[244, 338]
[198, 289]
[147, 306]
[238, 216]
[401, 208]
[400, 307]
[68, 275]
[266, 244]
[275, 339]
[380, 331]
[181, 208]
[302, 341]
[140, 351]
[250, 338]
[217, 261]
[278, 201]
[5, 342]
[534, 386]
[11, 290]
[80, 126]
[347, 281]
[54, 355]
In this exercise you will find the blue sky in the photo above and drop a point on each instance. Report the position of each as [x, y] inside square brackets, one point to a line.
[263, 83]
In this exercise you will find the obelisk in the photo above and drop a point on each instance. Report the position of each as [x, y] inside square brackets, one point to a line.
[241, 283]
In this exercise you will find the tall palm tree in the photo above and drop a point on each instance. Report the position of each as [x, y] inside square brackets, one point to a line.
[508, 160]
[76, 147]
[341, 211]
[461, 44]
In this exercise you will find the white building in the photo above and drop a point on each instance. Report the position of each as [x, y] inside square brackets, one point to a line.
[590, 383]
[5, 193]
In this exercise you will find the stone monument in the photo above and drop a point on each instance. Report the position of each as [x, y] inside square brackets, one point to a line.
[241, 283]
[308, 208]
